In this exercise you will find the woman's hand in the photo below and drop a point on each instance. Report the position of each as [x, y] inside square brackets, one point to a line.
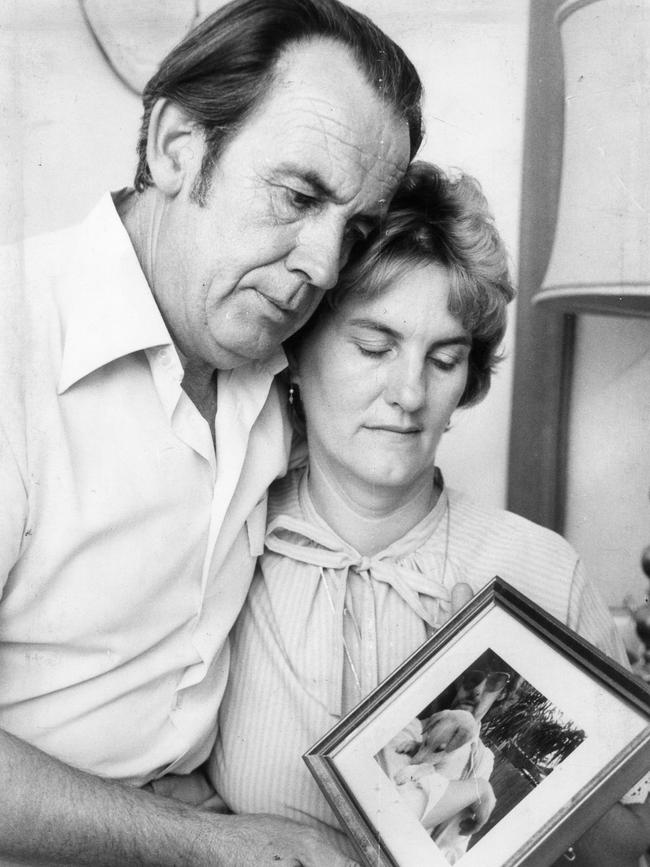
[460, 595]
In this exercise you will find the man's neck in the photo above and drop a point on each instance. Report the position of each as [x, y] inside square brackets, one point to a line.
[200, 385]
[369, 520]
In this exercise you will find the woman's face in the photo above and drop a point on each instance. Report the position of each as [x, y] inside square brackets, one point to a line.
[379, 379]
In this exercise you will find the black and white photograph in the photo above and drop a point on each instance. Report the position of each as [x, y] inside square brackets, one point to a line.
[475, 751]
[318, 317]
[489, 759]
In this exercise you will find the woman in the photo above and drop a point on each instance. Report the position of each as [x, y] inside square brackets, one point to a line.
[365, 546]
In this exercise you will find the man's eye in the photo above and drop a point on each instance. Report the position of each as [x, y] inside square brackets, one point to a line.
[356, 232]
[300, 201]
[289, 205]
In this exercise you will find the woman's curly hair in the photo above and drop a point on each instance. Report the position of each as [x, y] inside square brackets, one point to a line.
[436, 218]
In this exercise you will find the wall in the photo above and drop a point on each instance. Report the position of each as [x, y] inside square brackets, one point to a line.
[68, 124]
[68, 129]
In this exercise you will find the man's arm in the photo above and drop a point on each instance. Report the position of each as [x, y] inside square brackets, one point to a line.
[54, 814]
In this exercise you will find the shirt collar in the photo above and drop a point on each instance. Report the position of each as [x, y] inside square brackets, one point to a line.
[109, 310]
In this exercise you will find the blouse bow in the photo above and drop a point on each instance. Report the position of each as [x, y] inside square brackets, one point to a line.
[327, 551]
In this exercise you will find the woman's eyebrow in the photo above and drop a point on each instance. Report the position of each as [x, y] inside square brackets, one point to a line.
[461, 339]
[373, 325]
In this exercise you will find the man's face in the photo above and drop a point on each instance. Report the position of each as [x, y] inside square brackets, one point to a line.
[311, 171]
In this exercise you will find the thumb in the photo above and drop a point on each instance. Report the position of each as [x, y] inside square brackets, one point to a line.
[460, 596]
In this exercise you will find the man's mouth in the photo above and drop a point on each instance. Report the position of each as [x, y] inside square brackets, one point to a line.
[283, 308]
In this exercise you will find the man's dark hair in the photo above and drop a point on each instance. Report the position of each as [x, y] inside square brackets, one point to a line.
[224, 67]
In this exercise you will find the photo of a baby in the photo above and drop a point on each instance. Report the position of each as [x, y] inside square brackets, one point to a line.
[475, 751]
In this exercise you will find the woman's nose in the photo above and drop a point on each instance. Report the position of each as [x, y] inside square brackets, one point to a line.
[406, 386]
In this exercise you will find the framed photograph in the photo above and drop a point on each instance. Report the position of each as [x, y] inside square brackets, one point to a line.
[497, 743]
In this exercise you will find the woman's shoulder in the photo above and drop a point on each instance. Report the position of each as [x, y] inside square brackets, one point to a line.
[482, 524]
[485, 541]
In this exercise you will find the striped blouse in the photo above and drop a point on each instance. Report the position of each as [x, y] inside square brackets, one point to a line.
[292, 675]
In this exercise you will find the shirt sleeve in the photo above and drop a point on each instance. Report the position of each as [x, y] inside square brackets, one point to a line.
[590, 617]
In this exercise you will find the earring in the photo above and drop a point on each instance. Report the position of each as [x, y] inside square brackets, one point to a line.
[292, 391]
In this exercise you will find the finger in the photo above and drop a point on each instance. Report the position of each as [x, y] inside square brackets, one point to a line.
[480, 818]
[483, 811]
[460, 596]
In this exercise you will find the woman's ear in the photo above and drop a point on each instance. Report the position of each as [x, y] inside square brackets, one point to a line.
[175, 147]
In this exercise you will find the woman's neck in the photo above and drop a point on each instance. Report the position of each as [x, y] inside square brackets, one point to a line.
[369, 519]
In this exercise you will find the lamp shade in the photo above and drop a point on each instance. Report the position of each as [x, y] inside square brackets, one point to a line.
[600, 262]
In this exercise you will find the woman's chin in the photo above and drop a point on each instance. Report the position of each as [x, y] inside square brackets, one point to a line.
[400, 484]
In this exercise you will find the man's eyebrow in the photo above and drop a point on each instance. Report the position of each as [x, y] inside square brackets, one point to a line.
[460, 339]
[311, 178]
[314, 180]
[323, 190]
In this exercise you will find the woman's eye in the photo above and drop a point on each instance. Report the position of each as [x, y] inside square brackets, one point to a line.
[373, 351]
[444, 364]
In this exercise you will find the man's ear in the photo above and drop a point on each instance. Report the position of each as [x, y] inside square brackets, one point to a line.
[174, 147]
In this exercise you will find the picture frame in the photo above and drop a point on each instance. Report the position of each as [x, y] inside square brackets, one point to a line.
[573, 740]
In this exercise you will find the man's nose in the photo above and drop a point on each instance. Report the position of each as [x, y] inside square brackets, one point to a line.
[406, 385]
[317, 254]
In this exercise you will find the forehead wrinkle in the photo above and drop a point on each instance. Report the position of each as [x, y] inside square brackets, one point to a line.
[375, 167]
[338, 129]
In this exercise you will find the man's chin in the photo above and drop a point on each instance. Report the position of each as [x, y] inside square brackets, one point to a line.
[230, 356]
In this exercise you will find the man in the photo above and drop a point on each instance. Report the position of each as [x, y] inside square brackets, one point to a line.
[141, 423]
